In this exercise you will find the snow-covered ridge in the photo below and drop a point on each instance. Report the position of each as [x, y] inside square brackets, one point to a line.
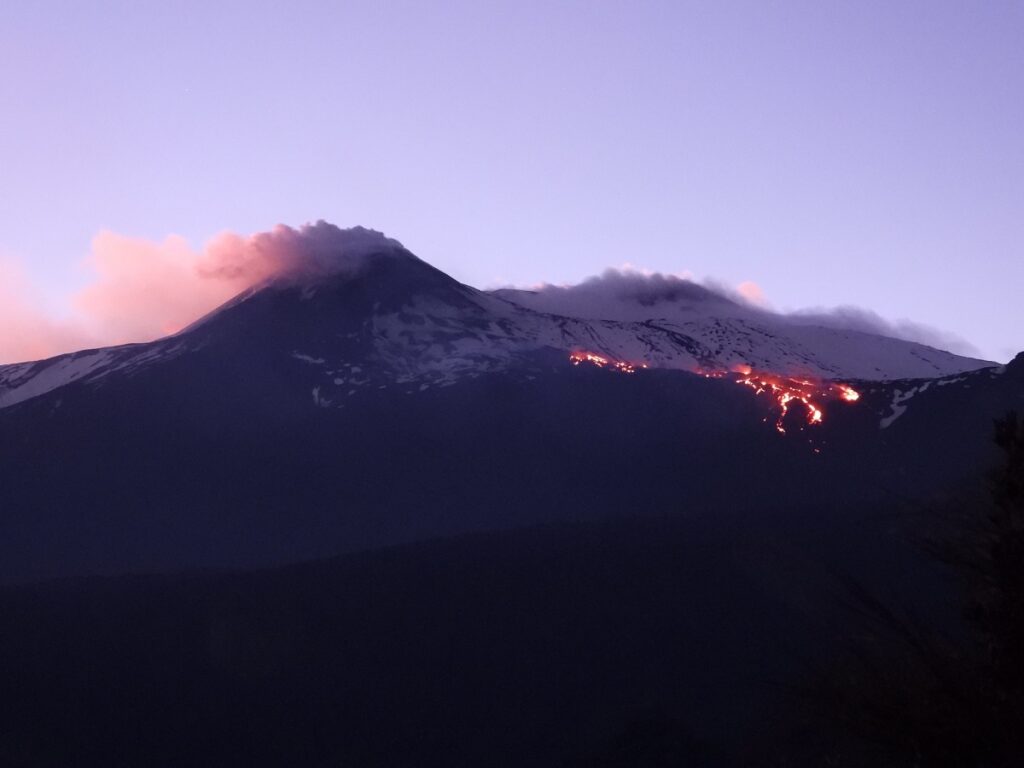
[24, 381]
[732, 332]
[720, 334]
[432, 342]
[906, 393]
[428, 330]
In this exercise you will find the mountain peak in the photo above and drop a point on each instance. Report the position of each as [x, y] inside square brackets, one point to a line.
[623, 295]
[1016, 366]
[322, 249]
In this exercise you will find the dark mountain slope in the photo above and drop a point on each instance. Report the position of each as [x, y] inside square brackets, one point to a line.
[220, 458]
[648, 641]
[188, 472]
[376, 400]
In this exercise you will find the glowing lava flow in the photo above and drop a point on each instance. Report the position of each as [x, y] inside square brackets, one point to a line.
[787, 390]
[849, 394]
[784, 390]
[601, 362]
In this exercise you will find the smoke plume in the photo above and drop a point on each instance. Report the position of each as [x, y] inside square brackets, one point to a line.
[630, 294]
[142, 290]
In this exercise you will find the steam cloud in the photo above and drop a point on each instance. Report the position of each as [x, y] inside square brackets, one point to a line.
[612, 294]
[859, 319]
[144, 290]
[597, 296]
[26, 332]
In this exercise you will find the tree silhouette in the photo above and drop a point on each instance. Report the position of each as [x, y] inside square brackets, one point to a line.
[907, 694]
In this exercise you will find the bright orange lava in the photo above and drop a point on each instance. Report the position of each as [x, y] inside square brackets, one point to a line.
[849, 394]
[601, 362]
[786, 390]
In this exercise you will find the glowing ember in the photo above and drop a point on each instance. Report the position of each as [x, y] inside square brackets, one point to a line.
[601, 362]
[849, 394]
[786, 390]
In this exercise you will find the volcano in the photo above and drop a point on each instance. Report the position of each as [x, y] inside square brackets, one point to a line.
[364, 398]
[365, 514]
[368, 313]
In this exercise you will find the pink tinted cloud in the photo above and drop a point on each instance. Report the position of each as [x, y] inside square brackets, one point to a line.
[753, 293]
[27, 332]
[143, 290]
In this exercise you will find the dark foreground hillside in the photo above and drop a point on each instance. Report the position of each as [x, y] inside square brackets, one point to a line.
[657, 642]
[172, 470]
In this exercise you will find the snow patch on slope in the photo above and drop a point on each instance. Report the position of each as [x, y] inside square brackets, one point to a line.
[27, 380]
[898, 407]
[24, 381]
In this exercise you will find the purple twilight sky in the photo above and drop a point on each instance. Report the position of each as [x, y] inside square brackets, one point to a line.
[864, 153]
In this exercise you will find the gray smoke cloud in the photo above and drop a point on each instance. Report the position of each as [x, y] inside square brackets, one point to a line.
[312, 251]
[615, 295]
[859, 319]
[618, 294]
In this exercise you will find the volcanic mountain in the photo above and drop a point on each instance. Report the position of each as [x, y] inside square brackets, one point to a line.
[371, 314]
[362, 397]
[363, 514]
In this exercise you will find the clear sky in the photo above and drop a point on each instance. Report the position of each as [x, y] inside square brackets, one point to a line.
[867, 153]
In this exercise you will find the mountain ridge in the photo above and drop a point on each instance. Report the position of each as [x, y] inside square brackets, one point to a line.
[384, 310]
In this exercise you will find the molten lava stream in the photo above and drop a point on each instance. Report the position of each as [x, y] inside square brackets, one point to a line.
[785, 390]
[601, 362]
